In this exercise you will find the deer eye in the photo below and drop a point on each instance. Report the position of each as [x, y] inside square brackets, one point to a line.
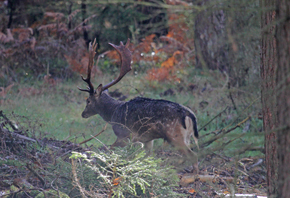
[88, 102]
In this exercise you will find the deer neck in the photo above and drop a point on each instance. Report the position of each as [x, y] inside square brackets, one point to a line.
[108, 106]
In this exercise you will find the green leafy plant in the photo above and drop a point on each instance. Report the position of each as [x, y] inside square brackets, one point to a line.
[128, 172]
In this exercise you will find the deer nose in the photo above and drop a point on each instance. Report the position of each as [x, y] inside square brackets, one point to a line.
[84, 115]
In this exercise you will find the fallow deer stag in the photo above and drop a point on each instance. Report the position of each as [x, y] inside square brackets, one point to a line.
[141, 119]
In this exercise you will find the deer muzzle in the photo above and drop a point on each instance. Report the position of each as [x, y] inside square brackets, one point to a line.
[85, 115]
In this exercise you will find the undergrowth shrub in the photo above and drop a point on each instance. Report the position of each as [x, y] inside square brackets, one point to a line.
[126, 172]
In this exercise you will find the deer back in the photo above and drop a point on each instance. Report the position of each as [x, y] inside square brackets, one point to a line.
[151, 118]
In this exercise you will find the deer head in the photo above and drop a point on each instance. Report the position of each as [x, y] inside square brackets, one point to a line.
[98, 101]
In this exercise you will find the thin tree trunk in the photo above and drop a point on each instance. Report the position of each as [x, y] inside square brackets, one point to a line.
[268, 74]
[11, 6]
[283, 97]
[84, 15]
[210, 40]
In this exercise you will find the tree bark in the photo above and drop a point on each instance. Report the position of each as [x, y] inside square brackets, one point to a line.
[210, 40]
[268, 87]
[283, 97]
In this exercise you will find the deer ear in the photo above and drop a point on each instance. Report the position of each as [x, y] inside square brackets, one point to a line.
[98, 91]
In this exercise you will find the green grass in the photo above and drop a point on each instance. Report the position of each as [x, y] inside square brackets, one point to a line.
[57, 110]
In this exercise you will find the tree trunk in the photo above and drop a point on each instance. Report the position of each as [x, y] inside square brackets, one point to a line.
[283, 97]
[11, 6]
[84, 15]
[268, 87]
[211, 40]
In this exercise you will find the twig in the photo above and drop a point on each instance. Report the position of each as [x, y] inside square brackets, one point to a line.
[223, 145]
[16, 131]
[102, 143]
[190, 178]
[23, 137]
[231, 97]
[66, 153]
[58, 149]
[85, 141]
[238, 117]
[51, 184]
[7, 120]
[76, 179]
[36, 174]
[256, 164]
[243, 150]
[211, 121]
[228, 159]
[223, 133]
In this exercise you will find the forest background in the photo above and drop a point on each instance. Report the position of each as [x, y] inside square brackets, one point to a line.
[205, 55]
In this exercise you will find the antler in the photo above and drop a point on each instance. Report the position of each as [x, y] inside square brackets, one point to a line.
[126, 56]
[92, 52]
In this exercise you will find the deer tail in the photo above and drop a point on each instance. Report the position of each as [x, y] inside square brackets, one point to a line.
[190, 121]
[195, 127]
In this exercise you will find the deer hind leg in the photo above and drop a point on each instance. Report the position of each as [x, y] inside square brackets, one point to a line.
[179, 137]
[187, 152]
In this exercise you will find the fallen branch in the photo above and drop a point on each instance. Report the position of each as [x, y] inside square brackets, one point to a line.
[243, 150]
[16, 135]
[221, 147]
[22, 137]
[76, 180]
[222, 133]
[85, 141]
[36, 174]
[190, 178]
[12, 133]
[8, 121]
[260, 161]
[210, 122]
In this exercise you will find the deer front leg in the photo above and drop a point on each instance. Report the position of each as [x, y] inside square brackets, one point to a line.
[123, 135]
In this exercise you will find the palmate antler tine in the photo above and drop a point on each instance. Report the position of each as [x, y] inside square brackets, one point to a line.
[126, 57]
[92, 52]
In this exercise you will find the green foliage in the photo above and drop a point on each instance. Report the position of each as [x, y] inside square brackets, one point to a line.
[128, 172]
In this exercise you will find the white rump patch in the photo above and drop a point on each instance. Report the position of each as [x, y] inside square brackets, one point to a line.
[188, 132]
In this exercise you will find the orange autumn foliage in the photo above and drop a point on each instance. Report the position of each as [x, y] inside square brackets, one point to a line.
[80, 66]
[191, 191]
[178, 44]
[158, 74]
[116, 181]
[169, 63]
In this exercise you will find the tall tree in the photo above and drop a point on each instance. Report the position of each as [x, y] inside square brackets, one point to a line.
[268, 86]
[283, 97]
